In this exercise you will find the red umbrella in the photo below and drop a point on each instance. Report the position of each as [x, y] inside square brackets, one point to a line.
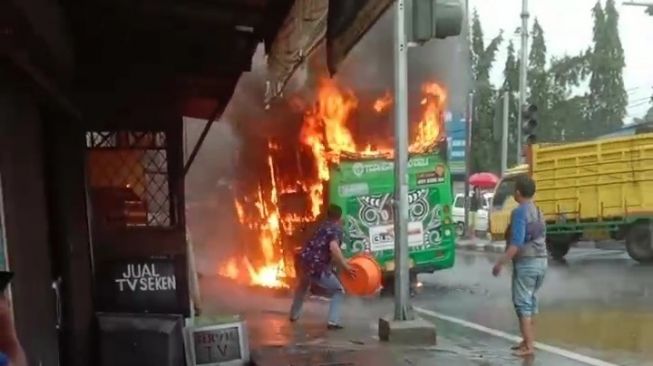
[484, 180]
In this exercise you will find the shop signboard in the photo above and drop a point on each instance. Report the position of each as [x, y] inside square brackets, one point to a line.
[456, 127]
[150, 285]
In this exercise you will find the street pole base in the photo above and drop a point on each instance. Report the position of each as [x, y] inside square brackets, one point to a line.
[408, 332]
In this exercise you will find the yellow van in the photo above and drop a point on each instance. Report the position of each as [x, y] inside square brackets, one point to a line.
[503, 203]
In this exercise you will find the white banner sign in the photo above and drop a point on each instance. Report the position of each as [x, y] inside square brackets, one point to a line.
[383, 237]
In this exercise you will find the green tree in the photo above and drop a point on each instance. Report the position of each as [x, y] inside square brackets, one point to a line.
[485, 155]
[566, 115]
[538, 82]
[607, 97]
[511, 70]
[551, 86]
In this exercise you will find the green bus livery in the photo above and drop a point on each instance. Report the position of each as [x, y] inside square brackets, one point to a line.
[364, 189]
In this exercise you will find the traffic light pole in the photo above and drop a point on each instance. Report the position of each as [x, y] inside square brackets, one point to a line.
[522, 77]
[401, 275]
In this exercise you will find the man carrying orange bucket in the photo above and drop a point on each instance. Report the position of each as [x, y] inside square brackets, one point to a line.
[314, 267]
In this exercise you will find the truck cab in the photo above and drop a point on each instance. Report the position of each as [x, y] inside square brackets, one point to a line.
[503, 203]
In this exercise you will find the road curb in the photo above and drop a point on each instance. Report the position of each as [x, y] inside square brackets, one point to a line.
[481, 245]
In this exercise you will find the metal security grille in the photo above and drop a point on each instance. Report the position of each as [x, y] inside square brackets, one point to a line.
[128, 175]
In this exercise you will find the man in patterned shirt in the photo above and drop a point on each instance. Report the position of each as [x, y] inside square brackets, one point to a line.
[314, 266]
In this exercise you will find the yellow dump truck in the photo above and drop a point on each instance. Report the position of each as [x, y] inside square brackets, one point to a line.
[594, 189]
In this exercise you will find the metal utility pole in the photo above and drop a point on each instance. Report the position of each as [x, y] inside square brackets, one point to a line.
[468, 120]
[522, 75]
[468, 159]
[402, 283]
[504, 132]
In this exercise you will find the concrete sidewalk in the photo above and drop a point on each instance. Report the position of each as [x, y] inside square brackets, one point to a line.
[277, 342]
[274, 341]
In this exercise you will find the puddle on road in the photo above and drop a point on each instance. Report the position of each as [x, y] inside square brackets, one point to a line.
[611, 331]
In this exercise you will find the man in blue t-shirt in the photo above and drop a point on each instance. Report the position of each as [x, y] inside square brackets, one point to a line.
[526, 242]
[314, 265]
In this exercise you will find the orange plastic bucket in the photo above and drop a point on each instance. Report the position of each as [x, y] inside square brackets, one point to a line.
[367, 280]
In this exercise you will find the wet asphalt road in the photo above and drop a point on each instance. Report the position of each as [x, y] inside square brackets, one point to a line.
[266, 314]
[599, 303]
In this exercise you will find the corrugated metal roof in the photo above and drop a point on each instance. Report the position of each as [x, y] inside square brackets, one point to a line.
[631, 129]
[341, 22]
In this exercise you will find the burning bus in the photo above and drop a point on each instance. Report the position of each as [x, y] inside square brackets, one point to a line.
[364, 189]
[330, 164]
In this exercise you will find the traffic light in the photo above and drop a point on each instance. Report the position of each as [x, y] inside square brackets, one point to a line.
[529, 120]
[428, 19]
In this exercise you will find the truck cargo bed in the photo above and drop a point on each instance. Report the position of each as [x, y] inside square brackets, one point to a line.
[595, 181]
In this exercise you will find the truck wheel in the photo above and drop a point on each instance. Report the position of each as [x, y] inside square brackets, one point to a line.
[639, 242]
[558, 246]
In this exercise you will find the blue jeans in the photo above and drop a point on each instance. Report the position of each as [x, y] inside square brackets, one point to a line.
[328, 282]
[527, 278]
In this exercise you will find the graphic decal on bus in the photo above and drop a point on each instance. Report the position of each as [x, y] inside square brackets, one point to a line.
[372, 229]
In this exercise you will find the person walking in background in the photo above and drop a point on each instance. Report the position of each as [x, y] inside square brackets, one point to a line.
[10, 349]
[474, 206]
[314, 265]
[527, 250]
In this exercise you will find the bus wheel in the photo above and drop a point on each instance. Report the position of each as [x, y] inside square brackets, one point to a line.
[639, 242]
[388, 287]
[558, 246]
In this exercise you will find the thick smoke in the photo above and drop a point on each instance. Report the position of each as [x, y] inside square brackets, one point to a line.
[209, 213]
[370, 65]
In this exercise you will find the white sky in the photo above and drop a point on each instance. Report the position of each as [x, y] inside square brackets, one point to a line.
[567, 28]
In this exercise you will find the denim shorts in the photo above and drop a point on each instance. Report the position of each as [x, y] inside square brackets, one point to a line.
[527, 278]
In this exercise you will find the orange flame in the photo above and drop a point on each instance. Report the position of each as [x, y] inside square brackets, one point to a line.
[383, 103]
[268, 223]
[230, 269]
[431, 125]
[325, 131]
[325, 128]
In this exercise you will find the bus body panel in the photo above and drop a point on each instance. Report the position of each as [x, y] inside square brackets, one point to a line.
[364, 189]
